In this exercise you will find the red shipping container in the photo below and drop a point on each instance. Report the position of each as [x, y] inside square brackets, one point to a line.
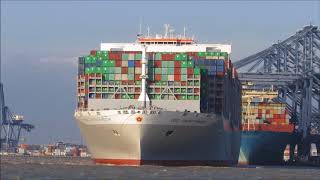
[118, 63]
[171, 56]
[98, 75]
[137, 89]
[117, 96]
[196, 90]
[177, 77]
[131, 82]
[183, 83]
[137, 77]
[268, 111]
[124, 82]
[124, 70]
[164, 57]
[158, 77]
[137, 63]
[177, 64]
[158, 90]
[190, 75]
[259, 111]
[157, 64]
[177, 71]
[136, 96]
[115, 56]
[220, 74]
[93, 52]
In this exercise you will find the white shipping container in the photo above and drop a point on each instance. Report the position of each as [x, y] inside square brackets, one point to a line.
[124, 63]
[170, 77]
[131, 57]
[117, 77]
[124, 77]
[137, 70]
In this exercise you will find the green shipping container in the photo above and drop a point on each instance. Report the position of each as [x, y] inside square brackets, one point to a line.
[106, 77]
[183, 70]
[190, 97]
[98, 70]
[171, 71]
[196, 71]
[177, 57]
[183, 97]
[131, 70]
[158, 83]
[130, 77]
[87, 60]
[105, 55]
[184, 57]
[124, 96]
[105, 70]
[201, 54]
[138, 57]
[184, 77]
[164, 77]
[98, 53]
[157, 71]
[184, 64]
[164, 64]
[170, 64]
[190, 64]
[117, 70]
[196, 97]
[164, 70]
[158, 96]
[87, 71]
[158, 56]
[111, 77]
[111, 70]
[125, 57]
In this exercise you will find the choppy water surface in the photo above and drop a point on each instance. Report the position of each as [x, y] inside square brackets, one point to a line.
[14, 170]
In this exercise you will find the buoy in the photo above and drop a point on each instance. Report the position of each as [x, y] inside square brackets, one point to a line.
[139, 119]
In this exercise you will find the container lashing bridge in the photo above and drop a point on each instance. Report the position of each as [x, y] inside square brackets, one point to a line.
[292, 67]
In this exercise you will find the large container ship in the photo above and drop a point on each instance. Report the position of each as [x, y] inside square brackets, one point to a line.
[161, 100]
[266, 128]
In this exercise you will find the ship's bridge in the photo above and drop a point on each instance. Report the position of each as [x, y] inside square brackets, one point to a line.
[165, 41]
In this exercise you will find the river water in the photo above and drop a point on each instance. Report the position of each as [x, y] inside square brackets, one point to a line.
[35, 170]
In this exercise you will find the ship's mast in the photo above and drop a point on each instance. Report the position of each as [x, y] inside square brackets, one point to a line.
[143, 95]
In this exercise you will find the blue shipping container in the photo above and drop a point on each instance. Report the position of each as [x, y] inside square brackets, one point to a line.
[220, 62]
[130, 63]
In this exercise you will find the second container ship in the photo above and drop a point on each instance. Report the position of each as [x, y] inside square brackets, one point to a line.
[266, 128]
[161, 100]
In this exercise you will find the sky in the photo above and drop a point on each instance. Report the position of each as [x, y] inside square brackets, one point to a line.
[40, 43]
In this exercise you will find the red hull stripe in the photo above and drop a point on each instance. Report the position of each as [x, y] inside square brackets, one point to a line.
[135, 162]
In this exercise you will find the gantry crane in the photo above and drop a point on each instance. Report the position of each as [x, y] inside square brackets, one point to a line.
[10, 125]
[247, 97]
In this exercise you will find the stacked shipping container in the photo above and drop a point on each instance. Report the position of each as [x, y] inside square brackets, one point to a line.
[171, 76]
